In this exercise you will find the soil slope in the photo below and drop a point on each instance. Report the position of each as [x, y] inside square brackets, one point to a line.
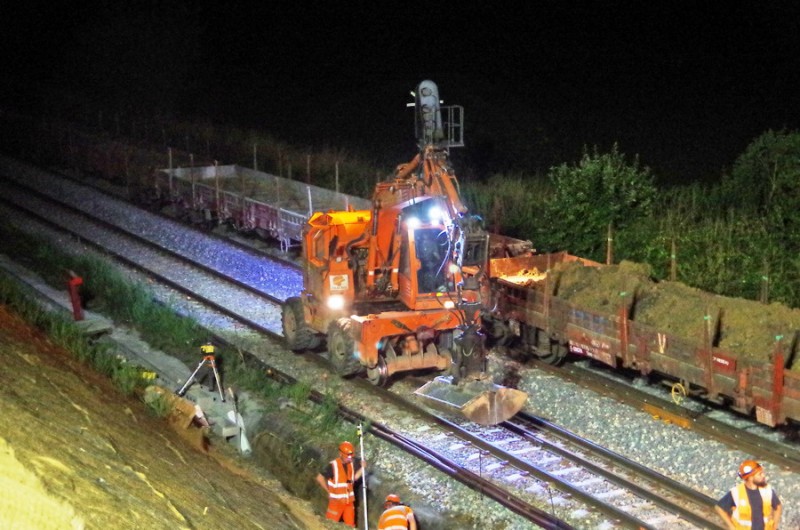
[74, 453]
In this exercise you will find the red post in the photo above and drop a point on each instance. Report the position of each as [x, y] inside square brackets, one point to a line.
[708, 356]
[73, 284]
[623, 335]
[777, 384]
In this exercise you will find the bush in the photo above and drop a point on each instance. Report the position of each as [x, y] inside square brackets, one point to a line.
[600, 190]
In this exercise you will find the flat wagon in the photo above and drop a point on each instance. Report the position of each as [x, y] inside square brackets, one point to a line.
[250, 200]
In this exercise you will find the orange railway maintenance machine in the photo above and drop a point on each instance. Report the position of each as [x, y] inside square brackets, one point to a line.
[384, 287]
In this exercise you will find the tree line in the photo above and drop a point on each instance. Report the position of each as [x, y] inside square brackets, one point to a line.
[737, 237]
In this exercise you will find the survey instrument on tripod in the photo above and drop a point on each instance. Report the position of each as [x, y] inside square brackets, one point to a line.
[208, 362]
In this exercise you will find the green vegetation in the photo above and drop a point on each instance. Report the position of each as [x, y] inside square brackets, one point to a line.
[103, 289]
[739, 237]
[158, 405]
[509, 204]
[601, 190]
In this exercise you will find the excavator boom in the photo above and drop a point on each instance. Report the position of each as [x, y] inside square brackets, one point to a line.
[470, 391]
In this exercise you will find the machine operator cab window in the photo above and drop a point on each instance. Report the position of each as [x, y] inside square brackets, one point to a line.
[425, 253]
[320, 247]
[431, 248]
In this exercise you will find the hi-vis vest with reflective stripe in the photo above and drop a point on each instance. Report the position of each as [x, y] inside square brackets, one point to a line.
[742, 514]
[394, 518]
[340, 486]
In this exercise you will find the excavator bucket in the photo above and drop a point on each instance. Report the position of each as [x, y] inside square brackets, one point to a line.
[482, 402]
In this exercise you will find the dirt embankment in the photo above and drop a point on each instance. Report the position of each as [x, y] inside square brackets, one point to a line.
[745, 327]
[74, 453]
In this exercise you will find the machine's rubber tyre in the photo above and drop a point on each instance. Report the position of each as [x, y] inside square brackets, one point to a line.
[298, 335]
[341, 348]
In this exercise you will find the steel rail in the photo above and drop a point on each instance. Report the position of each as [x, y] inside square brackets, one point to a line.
[143, 269]
[516, 425]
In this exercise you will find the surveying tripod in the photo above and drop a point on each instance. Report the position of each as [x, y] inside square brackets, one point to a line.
[209, 361]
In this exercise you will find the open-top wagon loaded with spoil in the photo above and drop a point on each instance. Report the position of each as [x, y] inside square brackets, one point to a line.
[738, 352]
[384, 286]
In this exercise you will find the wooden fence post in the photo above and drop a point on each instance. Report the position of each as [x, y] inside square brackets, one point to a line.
[673, 263]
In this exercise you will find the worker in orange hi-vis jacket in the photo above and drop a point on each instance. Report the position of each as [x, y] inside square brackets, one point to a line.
[338, 479]
[396, 515]
[752, 504]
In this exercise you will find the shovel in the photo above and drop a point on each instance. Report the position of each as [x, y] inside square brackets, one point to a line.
[236, 418]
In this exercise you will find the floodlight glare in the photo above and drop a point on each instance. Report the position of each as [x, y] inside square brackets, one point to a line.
[336, 302]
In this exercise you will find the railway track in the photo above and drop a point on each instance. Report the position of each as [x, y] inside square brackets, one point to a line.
[609, 504]
[538, 460]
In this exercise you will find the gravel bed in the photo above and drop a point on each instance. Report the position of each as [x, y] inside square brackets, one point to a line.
[706, 465]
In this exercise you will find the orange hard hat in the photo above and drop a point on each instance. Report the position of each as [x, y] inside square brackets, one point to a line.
[749, 468]
[392, 498]
[346, 448]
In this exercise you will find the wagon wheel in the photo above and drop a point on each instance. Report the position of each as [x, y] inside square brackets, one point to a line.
[678, 393]
[341, 348]
[298, 335]
[498, 332]
[555, 353]
[378, 375]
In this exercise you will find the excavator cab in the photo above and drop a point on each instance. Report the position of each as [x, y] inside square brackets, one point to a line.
[428, 276]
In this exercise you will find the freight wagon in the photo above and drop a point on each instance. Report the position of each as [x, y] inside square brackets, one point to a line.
[528, 313]
[250, 200]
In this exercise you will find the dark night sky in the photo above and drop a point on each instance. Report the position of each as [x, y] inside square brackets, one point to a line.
[684, 85]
